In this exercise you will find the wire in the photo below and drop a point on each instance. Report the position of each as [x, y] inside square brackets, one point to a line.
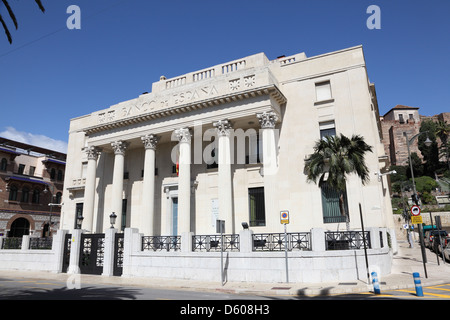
[59, 30]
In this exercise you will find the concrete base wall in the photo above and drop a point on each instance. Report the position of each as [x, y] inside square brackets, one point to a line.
[306, 267]
[309, 266]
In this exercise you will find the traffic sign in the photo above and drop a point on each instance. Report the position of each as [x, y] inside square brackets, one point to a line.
[416, 220]
[284, 217]
[415, 210]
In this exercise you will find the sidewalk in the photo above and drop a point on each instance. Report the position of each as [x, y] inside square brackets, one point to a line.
[405, 262]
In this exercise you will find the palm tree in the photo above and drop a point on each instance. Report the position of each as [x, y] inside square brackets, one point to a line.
[13, 17]
[334, 158]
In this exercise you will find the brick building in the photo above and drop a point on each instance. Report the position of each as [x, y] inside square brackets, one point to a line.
[404, 119]
[31, 185]
[396, 121]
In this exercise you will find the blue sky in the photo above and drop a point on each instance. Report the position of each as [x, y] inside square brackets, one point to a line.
[51, 74]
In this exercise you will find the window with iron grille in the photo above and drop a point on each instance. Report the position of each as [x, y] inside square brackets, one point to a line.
[330, 204]
[256, 207]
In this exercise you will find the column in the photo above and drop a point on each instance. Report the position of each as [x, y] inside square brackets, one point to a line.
[267, 121]
[184, 180]
[148, 188]
[89, 189]
[223, 128]
[119, 148]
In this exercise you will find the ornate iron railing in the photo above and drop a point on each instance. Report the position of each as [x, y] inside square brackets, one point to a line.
[12, 243]
[346, 240]
[41, 243]
[161, 243]
[277, 241]
[214, 242]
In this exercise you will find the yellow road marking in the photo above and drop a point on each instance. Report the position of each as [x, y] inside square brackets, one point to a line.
[427, 293]
[436, 288]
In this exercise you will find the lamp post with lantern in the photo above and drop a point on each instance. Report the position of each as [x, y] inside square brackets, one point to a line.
[414, 196]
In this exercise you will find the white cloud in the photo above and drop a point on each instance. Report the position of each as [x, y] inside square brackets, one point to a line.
[34, 139]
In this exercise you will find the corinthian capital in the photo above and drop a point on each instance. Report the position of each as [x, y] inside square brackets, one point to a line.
[92, 152]
[183, 135]
[119, 146]
[267, 120]
[150, 141]
[223, 127]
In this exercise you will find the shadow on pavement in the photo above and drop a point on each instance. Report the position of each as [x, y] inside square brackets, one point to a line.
[86, 293]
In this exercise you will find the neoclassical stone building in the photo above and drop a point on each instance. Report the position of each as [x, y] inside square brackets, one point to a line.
[229, 143]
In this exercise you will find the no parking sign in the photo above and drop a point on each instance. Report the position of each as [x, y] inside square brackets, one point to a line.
[284, 217]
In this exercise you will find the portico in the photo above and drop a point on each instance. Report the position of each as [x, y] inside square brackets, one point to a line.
[144, 218]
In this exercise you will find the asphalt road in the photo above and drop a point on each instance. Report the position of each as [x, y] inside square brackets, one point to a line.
[38, 289]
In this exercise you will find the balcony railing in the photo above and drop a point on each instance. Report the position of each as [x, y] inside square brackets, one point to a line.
[41, 243]
[347, 240]
[161, 243]
[12, 243]
[277, 241]
[214, 243]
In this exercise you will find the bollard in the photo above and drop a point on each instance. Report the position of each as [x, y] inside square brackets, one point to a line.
[418, 284]
[376, 285]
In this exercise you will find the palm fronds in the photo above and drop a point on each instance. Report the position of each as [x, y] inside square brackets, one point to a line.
[13, 17]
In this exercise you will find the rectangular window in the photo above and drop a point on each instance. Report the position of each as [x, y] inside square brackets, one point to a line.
[330, 204]
[124, 214]
[400, 118]
[21, 169]
[323, 91]
[327, 129]
[78, 213]
[254, 149]
[32, 170]
[256, 207]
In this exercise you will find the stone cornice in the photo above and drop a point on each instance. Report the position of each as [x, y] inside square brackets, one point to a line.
[270, 90]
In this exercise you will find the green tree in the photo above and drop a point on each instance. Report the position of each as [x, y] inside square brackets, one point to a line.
[425, 184]
[13, 17]
[417, 165]
[443, 132]
[336, 157]
[430, 154]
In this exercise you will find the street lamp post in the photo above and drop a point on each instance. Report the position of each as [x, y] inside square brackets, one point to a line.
[415, 198]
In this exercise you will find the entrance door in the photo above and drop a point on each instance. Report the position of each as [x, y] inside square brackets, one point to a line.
[174, 216]
[66, 254]
[91, 253]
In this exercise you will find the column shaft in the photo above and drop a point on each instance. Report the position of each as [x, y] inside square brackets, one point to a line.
[267, 121]
[225, 178]
[146, 221]
[89, 189]
[184, 181]
[117, 187]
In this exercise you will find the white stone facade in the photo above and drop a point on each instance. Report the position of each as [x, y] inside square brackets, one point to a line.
[122, 159]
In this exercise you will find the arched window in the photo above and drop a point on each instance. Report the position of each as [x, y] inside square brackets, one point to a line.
[3, 164]
[13, 193]
[20, 227]
[58, 197]
[36, 196]
[25, 194]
